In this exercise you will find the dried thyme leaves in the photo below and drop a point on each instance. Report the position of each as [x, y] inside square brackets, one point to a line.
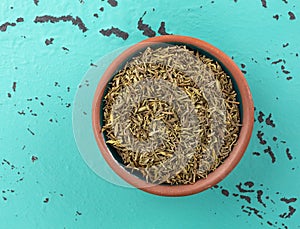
[144, 123]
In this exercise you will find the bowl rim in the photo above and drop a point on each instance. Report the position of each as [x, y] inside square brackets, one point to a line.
[229, 163]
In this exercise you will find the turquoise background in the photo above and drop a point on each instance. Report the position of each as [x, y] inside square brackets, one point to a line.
[77, 198]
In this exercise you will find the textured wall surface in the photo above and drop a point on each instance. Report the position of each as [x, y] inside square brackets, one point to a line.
[45, 49]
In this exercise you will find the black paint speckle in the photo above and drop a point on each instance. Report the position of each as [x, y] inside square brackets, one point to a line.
[46, 200]
[255, 211]
[147, 30]
[261, 117]
[286, 72]
[271, 153]
[36, 2]
[288, 200]
[288, 214]
[30, 131]
[116, 31]
[285, 226]
[21, 112]
[75, 21]
[162, 29]
[292, 15]
[269, 121]
[277, 61]
[247, 198]
[288, 154]
[249, 184]
[14, 86]
[285, 45]
[256, 153]
[276, 16]
[264, 3]
[66, 49]
[49, 41]
[4, 26]
[34, 158]
[6, 162]
[260, 137]
[113, 3]
[259, 198]
[242, 190]
[225, 192]
[20, 19]
[78, 213]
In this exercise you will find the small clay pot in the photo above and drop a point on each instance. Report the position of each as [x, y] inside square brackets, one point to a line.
[246, 110]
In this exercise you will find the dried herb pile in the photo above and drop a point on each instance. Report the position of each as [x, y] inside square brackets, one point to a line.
[151, 128]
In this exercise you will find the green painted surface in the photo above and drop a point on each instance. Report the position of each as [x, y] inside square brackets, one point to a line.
[77, 198]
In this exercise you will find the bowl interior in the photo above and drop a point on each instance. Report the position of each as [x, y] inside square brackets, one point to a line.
[121, 66]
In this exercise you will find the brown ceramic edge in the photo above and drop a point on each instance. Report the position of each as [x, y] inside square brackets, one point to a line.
[223, 170]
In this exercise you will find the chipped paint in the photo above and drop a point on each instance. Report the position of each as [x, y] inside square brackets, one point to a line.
[46, 47]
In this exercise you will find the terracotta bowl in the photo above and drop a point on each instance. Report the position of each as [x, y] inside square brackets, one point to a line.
[246, 112]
